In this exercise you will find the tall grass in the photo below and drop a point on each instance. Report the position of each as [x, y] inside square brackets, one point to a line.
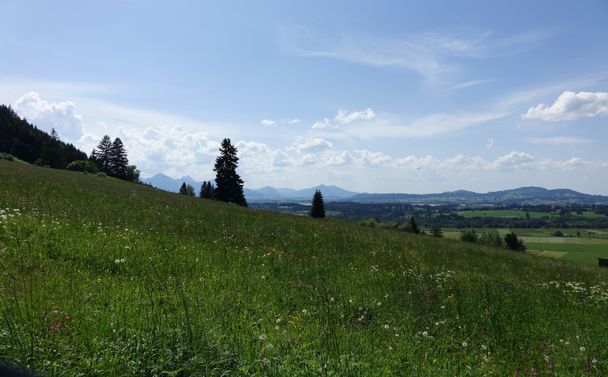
[103, 277]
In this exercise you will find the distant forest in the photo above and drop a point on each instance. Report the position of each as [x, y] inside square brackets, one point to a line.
[25, 141]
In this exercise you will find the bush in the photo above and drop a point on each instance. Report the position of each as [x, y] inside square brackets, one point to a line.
[468, 235]
[557, 233]
[514, 243]
[39, 162]
[371, 222]
[83, 166]
[6, 156]
[491, 238]
[102, 174]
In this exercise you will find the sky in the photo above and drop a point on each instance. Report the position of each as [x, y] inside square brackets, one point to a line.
[382, 96]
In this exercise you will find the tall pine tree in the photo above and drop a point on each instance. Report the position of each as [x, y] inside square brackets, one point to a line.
[101, 154]
[119, 164]
[318, 205]
[229, 187]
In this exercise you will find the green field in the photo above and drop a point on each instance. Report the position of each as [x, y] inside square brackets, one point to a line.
[503, 213]
[100, 277]
[592, 244]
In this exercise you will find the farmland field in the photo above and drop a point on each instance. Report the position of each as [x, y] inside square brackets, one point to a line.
[104, 277]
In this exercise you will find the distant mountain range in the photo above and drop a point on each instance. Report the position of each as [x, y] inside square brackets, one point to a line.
[522, 195]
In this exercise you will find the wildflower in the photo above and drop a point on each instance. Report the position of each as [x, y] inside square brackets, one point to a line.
[269, 346]
[262, 337]
[331, 299]
[277, 327]
[464, 344]
[582, 349]
[594, 360]
[263, 277]
[483, 347]
[386, 326]
[424, 333]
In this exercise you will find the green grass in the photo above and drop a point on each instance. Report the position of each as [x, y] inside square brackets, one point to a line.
[581, 252]
[103, 277]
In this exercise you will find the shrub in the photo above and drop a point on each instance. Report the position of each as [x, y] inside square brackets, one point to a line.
[39, 162]
[491, 238]
[410, 226]
[468, 235]
[514, 243]
[83, 166]
[371, 222]
[6, 156]
[557, 233]
[102, 174]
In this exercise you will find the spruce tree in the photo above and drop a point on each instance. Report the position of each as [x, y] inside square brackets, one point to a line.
[207, 190]
[119, 164]
[101, 154]
[318, 206]
[436, 231]
[201, 193]
[183, 189]
[229, 184]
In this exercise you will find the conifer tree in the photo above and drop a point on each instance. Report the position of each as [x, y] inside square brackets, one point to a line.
[318, 206]
[411, 226]
[119, 164]
[436, 231]
[101, 154]
[183, 189]
[229, 187]
[207, 190]
[201, 193]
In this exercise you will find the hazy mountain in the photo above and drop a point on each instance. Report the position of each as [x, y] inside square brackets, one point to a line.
[167, 183]
[522, 195]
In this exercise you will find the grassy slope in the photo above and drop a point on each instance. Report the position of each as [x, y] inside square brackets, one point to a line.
[102, 277]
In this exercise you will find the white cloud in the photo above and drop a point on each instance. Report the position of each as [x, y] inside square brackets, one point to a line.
[174, 150]
[369, 158]
[315, 144]
[571, 106]
[322, 124]
[45, 115]
[346, 117]
[268, 122]
[490, 143]
[559, 140]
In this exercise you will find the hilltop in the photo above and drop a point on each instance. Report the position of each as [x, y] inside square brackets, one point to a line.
[106, 277]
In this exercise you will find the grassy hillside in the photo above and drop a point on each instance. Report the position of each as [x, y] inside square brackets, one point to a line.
[104, 277]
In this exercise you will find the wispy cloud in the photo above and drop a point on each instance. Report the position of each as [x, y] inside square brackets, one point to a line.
[427, 54]
[559, 140]
[469, 84]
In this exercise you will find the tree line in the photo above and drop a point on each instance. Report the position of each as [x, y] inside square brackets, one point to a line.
[26, 142]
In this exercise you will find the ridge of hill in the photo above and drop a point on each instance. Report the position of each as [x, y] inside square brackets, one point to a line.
[101, 276]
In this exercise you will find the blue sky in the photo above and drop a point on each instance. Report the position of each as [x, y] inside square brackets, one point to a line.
[384, 96]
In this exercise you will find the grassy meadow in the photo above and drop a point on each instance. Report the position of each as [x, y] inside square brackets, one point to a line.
[578, 245]
[108, 278]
